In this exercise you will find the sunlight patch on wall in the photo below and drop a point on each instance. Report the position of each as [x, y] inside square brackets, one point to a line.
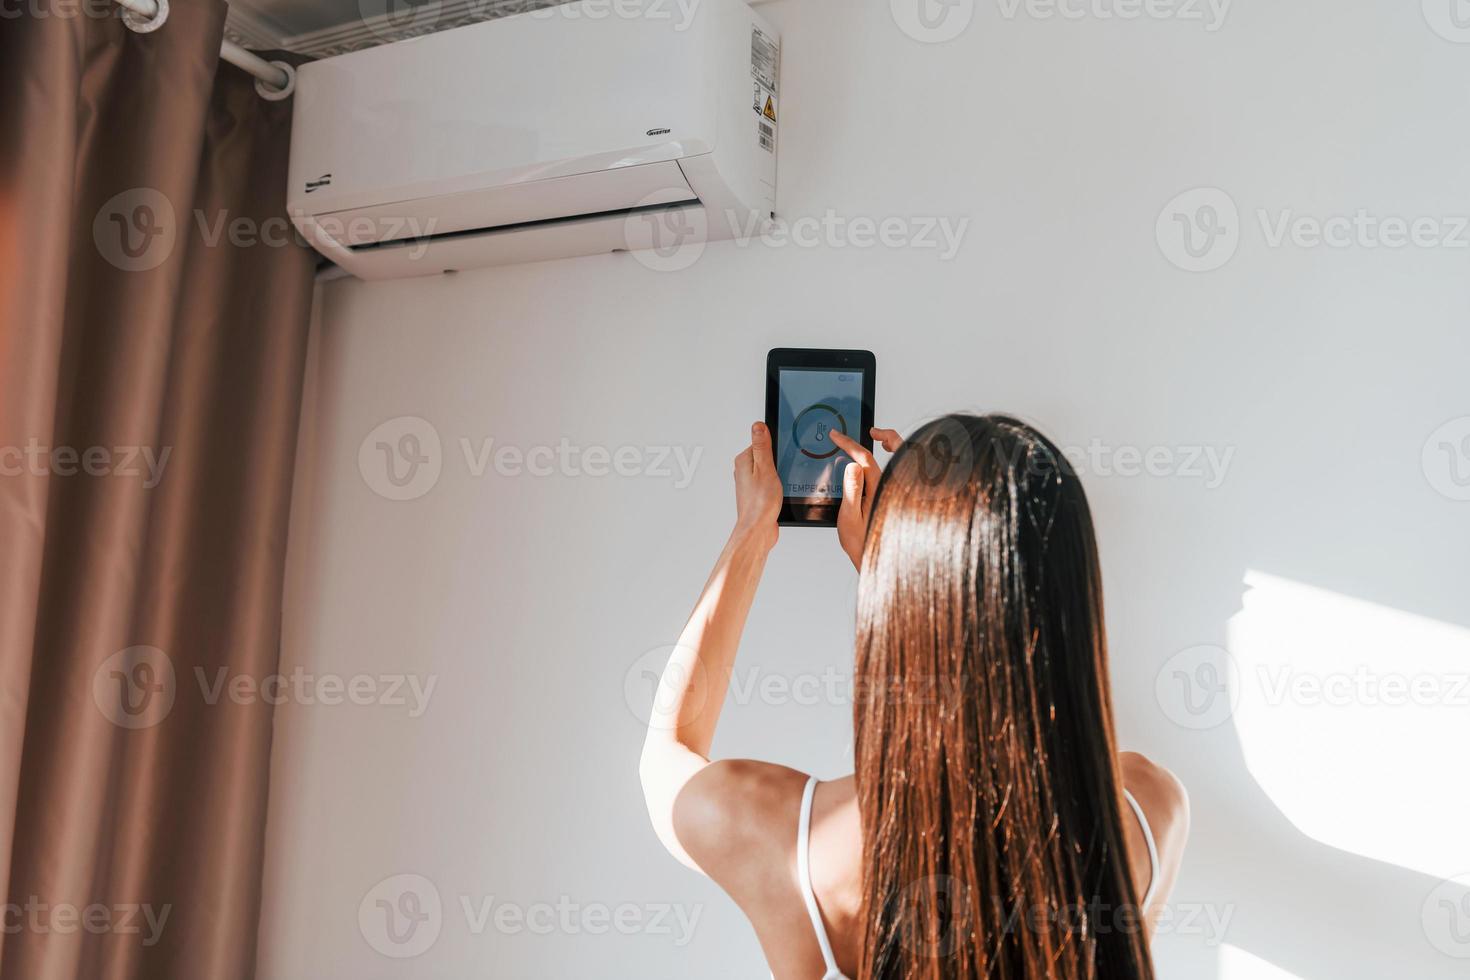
[1237, 964]
[1354, 719]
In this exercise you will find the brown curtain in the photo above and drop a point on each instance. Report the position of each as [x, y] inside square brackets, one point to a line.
[153, 323]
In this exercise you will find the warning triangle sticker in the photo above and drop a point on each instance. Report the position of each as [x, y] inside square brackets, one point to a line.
[770, 112]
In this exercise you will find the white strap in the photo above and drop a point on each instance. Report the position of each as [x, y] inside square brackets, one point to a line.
[804, 874]
[1153, 851]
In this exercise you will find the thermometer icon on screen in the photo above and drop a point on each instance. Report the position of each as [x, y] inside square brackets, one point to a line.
[817, 422]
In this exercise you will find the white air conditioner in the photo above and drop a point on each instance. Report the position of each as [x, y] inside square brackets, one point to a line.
[582, 128]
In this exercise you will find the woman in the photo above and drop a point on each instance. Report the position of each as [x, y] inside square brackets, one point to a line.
[991, 828]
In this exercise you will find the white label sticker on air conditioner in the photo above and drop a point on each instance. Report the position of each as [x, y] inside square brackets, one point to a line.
[763, 102]
[765, 58]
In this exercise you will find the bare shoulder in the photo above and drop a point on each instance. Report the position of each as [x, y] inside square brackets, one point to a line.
[1164, 800]
[1157, 789]
[737, 819]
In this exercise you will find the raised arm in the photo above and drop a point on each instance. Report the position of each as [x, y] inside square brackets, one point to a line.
[692, 689]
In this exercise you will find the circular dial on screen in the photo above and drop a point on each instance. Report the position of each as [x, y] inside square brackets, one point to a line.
[811, 431]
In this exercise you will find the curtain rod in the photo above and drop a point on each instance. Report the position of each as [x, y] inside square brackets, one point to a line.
[274, 80]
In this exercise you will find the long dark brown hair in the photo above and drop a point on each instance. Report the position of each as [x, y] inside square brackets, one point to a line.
[987, 779]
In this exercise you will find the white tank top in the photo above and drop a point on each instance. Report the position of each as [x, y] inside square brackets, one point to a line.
[804, 871]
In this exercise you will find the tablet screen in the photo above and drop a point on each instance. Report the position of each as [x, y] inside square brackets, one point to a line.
[811, 403]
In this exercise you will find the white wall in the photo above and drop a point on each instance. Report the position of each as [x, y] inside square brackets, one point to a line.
[531, 600]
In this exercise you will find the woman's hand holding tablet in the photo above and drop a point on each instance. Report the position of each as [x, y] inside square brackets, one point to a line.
[859, 487]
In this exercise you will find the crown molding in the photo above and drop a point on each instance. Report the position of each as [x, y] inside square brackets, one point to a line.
[373, 30]
[252, 29]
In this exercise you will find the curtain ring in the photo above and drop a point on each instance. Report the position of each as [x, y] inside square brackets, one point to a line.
[272, 94]
[139, 24]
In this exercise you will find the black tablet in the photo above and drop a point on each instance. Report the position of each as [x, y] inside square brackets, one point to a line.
[810, 393]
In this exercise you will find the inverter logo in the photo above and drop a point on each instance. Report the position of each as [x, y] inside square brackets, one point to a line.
[321, 181]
